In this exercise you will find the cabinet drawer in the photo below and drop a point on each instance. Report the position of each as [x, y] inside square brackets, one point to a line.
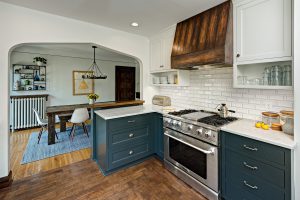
[124, 156]
[128, 135]
[253, 185]
[128, 122]
[243, 164]
[255, 149]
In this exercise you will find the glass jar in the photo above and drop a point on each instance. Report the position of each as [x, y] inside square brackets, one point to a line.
[287, 120]
[270, 118]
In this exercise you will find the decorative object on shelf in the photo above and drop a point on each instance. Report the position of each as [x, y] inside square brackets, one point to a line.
[27, 82]
[39, 61]
[28, 76]
[36, 76]
[94, 71]
[92, 98]
[17, 85]
[82, 86]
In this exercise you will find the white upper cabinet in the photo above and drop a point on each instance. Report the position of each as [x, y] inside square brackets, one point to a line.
[263, 31]
[161, 50]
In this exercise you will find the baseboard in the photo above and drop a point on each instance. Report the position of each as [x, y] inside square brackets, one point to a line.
[6, 181]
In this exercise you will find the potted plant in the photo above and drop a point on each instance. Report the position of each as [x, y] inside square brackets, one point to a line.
[93, 97]
[40, 61]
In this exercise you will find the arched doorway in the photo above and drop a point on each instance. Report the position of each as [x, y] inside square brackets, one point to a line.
[62, 61]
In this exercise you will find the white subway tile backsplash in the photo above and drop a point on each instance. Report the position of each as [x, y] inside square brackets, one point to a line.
[210, 87]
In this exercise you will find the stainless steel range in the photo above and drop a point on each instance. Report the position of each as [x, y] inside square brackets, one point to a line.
[192, 148]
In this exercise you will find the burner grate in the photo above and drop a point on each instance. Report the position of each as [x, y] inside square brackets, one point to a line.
[216, 120]
[182, 112]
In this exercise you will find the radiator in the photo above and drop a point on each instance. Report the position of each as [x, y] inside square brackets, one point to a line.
[21, 113]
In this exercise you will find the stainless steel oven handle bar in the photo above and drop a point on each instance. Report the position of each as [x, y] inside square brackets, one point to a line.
[211, 151]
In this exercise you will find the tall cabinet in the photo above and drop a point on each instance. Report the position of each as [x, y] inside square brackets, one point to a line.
[262, 39]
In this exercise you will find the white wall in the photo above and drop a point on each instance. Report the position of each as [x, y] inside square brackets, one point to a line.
[59, 77]
[210, 87]
[21, 25]
[297, 96]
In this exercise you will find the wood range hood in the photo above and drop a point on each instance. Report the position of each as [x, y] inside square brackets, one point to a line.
[204, 39]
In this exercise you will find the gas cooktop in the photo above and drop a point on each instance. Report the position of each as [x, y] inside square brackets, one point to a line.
[203, 116]
[216, 120]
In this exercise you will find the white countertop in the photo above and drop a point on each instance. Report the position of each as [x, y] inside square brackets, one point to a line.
[246, 128]
[242, 127]
[131, 110]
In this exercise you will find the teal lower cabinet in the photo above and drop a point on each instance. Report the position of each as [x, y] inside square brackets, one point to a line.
[125, 141]
[159, 135]
[254, 170]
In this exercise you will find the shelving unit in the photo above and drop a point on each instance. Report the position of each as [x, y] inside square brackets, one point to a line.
[29, 78]
[181, 77]
[255, 71]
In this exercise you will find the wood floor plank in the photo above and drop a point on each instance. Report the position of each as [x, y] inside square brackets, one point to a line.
[83, 180]
[18, 142]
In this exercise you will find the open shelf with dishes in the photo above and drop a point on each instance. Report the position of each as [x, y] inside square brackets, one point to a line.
[269, 75]
[170, 78]
[28, 77]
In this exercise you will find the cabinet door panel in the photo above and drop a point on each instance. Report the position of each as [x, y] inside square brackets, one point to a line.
[155, 53]
[167, 51]
[263, 30]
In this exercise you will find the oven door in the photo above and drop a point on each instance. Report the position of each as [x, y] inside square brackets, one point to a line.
[198, 159]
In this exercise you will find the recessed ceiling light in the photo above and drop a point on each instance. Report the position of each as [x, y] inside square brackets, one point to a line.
[134, 24]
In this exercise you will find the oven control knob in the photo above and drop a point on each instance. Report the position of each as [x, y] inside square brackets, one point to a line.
[168, 121]
[200, 131]
[190, 127]
[208, 133]
[179, 124]
[174, 122]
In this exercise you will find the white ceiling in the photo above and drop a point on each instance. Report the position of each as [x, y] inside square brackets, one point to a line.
[80, 50]
[152, 15]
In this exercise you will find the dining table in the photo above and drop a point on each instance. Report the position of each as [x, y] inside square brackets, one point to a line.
[65, 111]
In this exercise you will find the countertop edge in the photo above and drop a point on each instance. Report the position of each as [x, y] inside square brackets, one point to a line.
[291, 147]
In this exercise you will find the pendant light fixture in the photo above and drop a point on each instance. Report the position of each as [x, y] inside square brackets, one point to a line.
[94, 71]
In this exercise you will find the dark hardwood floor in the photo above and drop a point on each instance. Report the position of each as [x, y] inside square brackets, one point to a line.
[83, 180]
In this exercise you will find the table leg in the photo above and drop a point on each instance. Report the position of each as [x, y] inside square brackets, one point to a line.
[63, 121]
[51, 129]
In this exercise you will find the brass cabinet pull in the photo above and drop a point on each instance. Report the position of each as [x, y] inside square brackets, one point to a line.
[250, 167]
[131, 135]
[250, 186]
[131, 121]
[250, 148]
[130, 152]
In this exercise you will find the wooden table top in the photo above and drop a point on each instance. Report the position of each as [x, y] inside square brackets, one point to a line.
[111, 104]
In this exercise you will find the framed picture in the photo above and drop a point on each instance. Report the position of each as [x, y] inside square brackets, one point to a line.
[82, 86]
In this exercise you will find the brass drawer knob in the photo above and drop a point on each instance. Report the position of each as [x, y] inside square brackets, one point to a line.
[131, 135]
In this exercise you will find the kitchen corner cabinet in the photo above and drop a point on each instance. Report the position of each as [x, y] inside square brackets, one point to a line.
[161, 49]
[263, 30]
[254, 170]
[125, 141]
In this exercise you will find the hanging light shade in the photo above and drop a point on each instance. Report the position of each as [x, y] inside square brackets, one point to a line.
[83, 85]
[94, 71]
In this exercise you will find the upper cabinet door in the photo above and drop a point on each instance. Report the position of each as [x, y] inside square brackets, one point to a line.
[155, 54]
[263, 30]
[167, 44]
[161, 50]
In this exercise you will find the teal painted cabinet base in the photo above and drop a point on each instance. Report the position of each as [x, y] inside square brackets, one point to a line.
[254, 170]
[125, 141]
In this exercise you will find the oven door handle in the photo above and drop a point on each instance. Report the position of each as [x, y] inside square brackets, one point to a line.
[211, 151]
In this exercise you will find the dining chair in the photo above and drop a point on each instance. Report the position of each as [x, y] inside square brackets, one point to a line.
[43, 123]
[79, 117]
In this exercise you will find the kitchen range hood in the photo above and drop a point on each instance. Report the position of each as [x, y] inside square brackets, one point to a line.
[204, 39]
